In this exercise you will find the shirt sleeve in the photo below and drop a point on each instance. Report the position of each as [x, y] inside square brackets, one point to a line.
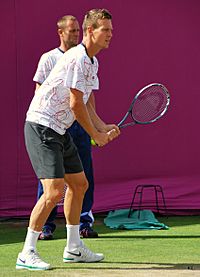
[82, 75]
[43, 70]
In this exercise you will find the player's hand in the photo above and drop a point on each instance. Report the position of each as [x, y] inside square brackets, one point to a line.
[114, 133]
[110, 127]
[100, 139]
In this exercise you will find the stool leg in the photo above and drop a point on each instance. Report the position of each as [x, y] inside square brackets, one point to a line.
[163, 198]
[156, 194]
[133, 199]
[140, 203]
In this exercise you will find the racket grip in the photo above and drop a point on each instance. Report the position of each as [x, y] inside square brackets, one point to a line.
[93, 143]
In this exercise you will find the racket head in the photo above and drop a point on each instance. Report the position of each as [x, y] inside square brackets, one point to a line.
[150, 104]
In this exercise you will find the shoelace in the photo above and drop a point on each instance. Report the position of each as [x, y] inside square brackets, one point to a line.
[86, 252]
[35, 258]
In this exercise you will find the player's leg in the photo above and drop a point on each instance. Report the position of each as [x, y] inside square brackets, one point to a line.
[29, 257]
[75, 250]
[53, 191]
[44, 147]
[83, 144]
[86, 218]
[49, 226]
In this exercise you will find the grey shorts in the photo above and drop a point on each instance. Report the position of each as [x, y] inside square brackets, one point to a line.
[52, 155]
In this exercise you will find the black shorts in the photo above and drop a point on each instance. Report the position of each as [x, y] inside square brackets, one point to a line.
[52, 155]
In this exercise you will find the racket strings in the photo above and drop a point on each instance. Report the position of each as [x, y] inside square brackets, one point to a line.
[149, 105]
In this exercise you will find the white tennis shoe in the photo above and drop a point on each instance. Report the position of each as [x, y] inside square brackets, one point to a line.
[31, 261]
[81, 254]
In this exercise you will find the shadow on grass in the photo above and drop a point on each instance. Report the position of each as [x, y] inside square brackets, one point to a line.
[135, 266]
[14, 230]
[20, 237]
[150, 237]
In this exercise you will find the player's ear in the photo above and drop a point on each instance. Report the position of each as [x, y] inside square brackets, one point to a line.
[60, 31]
[90, 30]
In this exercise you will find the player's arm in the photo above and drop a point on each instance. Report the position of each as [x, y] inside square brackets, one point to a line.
[110, 129]
[82, 116]
[99, 124]
[96, 120]
[92, 100]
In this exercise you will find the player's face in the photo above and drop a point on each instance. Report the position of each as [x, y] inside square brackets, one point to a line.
[70, 35]
[103, 33]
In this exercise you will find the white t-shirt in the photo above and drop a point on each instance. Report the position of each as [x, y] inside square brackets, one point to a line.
[46, 63]
[50, 105]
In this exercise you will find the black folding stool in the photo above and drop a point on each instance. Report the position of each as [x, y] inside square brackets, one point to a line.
[139, 190]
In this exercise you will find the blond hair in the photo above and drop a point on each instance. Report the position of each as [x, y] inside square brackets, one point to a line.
[92, 17]
[61, 23]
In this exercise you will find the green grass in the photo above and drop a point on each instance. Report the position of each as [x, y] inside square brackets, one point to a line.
[176, 248]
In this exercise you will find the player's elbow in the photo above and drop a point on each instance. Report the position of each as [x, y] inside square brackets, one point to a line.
[75, 106]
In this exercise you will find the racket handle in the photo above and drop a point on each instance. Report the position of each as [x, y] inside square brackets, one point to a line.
[92, 141]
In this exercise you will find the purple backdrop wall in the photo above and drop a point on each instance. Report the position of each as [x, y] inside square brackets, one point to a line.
[153, 41]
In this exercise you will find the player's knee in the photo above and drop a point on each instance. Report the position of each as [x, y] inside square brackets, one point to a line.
[54, 198]
[58, 196]
[81, 187]
[85, 186]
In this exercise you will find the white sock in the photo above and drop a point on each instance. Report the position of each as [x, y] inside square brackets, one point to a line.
[31, 240]
[73, 237]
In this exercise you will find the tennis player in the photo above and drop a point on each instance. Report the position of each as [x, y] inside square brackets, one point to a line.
[63, 97]
[68, 30]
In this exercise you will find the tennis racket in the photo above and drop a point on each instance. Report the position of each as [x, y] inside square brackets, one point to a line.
[149, 104]
[61, 203]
